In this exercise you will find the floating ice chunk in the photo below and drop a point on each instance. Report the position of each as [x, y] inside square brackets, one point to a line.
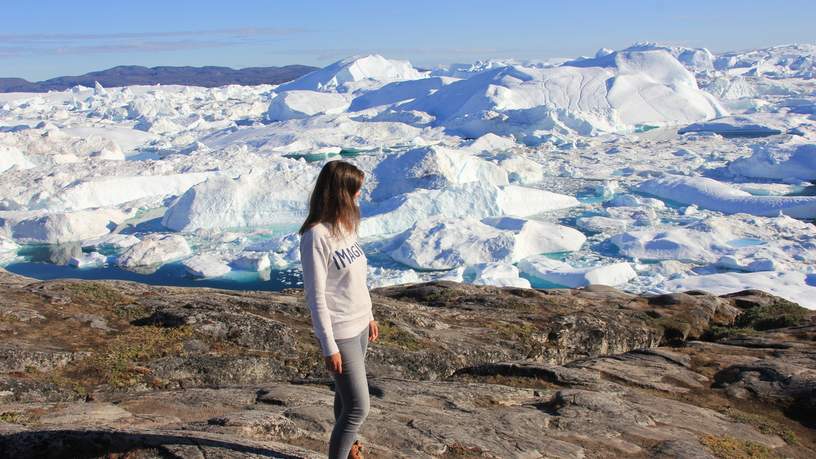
[474, 199]
[55, 228]
[454, 275]
[734, 126]
[733, 262]
[533, 237]
[113, 240]
[113, 190]
[447, 243]
[342, 75]
[521, 170]
[379, 276]
[793, 286]
[496, 274]
[12, 157]
[601, 224]
[251, 261]
[206, 265]
[562, 274]
[153, 251]
[433, 167]
[492, 143]
[684, 244]
[792, 160]
[258, 199]
[111, 152]
[302, 104]
[711, 194]
[631, 200]
[7, 245]
[87, 260]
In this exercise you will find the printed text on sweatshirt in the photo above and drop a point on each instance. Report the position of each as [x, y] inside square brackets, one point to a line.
[334, 280]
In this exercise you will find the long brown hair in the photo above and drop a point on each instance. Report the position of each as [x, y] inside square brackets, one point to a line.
[332, 199]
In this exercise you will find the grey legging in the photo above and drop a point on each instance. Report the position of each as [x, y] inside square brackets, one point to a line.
[351, 401]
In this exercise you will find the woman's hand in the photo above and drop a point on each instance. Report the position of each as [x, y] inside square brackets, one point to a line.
[373, 331]
[334, 363]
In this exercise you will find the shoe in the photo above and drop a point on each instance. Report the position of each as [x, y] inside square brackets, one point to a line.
[356, 450]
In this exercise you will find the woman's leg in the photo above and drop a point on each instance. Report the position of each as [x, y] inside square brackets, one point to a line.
[338, 402]
[352, 388]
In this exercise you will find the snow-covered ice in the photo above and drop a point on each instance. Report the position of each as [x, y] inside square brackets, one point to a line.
[651, 168]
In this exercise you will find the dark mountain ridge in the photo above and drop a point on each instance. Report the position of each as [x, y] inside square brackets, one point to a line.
[126, 75]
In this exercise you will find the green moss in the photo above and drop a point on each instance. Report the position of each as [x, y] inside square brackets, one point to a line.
[522, 333]
[16, 417]
[120, 362]
[460, 451]
[763, 424]
[731, 448]
[96, 293]
[393, 335]
[780, 313]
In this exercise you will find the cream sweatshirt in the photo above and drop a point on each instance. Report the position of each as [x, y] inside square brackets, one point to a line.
[334, 280]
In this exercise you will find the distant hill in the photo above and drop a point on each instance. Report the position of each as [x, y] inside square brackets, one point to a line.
[126, 75]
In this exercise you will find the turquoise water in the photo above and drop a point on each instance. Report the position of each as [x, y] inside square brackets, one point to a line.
[745, 242]
[173, 274]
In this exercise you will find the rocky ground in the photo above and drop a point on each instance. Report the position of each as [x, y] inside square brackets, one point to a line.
[119, 369]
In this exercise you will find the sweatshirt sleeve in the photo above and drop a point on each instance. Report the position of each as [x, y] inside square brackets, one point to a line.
[314, 256]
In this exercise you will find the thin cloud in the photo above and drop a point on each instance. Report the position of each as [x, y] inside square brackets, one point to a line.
[19, 45]
[235, 32]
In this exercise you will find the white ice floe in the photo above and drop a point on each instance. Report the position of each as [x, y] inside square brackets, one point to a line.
[549, 270]
[351, 73]
[794, 159]
[473, 199]
[379, 276]
[448, 243]
[291, 105]
[749, 240]
[251, 261]
[153, 251]
[433, 167]
[12, 157]
[258, 199]
[88, 260]
[206, 265]
[794, 286]
[712, 194]
[59, 227]
[113, 190]
[496, 274]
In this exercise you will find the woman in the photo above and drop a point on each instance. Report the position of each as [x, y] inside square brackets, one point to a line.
[334, 279]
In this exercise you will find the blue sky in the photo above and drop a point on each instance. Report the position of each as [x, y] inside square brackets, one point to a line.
[44, 39]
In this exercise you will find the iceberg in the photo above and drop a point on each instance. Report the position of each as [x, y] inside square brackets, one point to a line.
[153, 251]
[543, 268]
[434, 167]
[257, 199]
[448, 243]
[346, 74]
[59, 227]
[206, 265]
[12, 157]
[794, 159]
[712, 194]
[291, 105]
[473, 199]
